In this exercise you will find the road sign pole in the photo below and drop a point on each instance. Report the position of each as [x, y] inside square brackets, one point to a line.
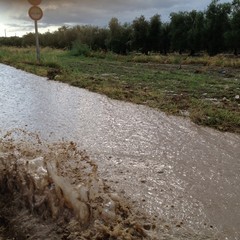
[37, 41]
[36, 14]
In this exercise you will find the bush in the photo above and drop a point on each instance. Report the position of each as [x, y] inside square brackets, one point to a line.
[80, 49]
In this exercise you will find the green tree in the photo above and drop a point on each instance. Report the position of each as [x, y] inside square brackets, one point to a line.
[65, 36]
[114, 42]
[233, 35]
[195, 31]
[48, 39]
[11, 41]
[100, 39]
[179, 26]
[140, 36]
[216, 25]
[155, 33]
[28, 39]
[85, 34]
[119, 36]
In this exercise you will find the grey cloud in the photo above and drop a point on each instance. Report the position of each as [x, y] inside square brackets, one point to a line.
[95, 12]
[100, 11]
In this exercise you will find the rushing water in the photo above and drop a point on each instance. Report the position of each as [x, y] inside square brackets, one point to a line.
[168, 166]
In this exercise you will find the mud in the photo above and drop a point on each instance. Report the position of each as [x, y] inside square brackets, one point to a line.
[55, 192]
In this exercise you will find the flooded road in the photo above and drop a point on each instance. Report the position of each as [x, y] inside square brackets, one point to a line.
[179, 172]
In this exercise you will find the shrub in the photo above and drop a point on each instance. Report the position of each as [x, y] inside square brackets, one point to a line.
[80, 49]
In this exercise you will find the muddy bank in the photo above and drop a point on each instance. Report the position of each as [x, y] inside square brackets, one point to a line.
[55, 192]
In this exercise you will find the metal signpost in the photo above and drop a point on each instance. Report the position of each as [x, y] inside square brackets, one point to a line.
[35, 13]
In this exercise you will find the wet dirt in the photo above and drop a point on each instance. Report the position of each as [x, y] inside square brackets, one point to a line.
[54, 192]
[184, 176]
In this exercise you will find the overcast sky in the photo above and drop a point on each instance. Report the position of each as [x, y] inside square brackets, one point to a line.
[14, 19]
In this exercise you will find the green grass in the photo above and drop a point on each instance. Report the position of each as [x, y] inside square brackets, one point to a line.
[200, 88]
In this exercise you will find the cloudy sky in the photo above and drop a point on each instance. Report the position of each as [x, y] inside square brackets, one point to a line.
[14, 19]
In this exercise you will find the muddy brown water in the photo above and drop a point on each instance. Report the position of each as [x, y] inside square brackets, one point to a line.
[182, 174]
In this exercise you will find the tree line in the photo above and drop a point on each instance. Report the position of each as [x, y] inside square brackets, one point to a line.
[215, 30]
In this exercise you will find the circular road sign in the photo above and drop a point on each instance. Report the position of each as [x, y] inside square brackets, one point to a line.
[35, 2]
[35, 13]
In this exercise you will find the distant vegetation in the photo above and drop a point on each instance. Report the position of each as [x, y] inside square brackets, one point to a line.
[215, 30]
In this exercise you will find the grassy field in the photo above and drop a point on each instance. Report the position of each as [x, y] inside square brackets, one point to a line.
[205, 89]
